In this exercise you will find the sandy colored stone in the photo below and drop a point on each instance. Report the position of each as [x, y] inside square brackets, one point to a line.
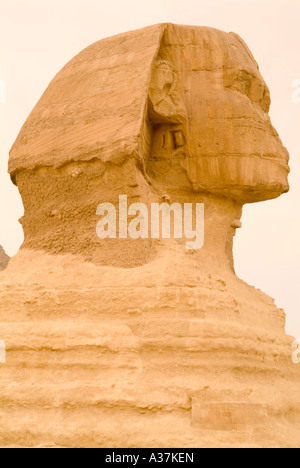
[142, 343]
[4, 259]
[93, 108]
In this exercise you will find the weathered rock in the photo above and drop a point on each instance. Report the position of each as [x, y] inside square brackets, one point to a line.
[4, 259]
[140, 342]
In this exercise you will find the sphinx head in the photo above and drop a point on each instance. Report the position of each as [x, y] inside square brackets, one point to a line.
[164, 110]
[209, 113]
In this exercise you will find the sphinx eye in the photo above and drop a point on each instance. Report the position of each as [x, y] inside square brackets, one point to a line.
[242, 82]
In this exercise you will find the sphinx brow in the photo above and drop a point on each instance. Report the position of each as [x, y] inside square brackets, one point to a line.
[245, 72]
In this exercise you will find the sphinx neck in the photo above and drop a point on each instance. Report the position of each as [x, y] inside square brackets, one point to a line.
[60, 231]
[221, 219]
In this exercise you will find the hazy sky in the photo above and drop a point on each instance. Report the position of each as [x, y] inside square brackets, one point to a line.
[38, 37]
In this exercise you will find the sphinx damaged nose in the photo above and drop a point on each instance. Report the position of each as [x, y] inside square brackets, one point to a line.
[283, 156]
[282, 153]
[279, 150]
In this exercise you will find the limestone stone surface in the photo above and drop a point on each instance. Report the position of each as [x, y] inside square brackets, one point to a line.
[4, 259]
[141, 342]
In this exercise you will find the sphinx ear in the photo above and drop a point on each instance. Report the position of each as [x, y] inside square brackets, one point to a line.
[166, 102]
[164, 136]
[167, 114]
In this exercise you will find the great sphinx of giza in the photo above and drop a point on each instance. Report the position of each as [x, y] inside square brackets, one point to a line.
[143, 343]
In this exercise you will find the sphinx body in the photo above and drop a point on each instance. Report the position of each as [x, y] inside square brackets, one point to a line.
[139, 342]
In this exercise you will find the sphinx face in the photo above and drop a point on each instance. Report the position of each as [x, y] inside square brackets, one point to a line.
[210, 118]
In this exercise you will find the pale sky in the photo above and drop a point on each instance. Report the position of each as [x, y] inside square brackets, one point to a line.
[38, 37]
